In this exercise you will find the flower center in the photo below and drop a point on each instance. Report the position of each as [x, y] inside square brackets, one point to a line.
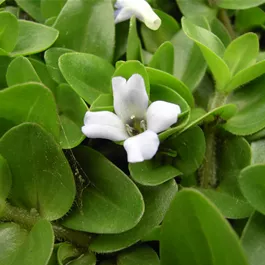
[135, 126]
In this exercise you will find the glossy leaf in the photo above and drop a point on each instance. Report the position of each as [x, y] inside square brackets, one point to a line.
[29, 102]
[189, 234]
[157, 200]
[48, 186]
[88, 74]
[84, 28]
[8, 31]
[143, 255]
[19, 71]
[38, 38]
[107, 192]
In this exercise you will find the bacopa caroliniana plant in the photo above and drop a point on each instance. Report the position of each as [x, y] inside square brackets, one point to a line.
[132, 132]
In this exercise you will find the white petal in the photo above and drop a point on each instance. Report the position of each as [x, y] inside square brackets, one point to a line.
[105, 125]
[142, 10]
[142, 146]
[130, 98]
[122, 14]
[161, 115]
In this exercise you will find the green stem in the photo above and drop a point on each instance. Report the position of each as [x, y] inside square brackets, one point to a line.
[208, 170]
[227, 23]
[28, 220]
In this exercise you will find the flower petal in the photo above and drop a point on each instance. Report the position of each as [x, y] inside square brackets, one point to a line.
[105, 125]
[161, 115]
[142, 146]
[122, 14]
[130, 98]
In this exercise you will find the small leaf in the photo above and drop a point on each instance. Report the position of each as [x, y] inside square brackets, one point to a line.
[107, 192]
[33, 38]
[48, 186]
[189, 234]
[88, 74]
[85, 259]
[242, 52]
[66, 252]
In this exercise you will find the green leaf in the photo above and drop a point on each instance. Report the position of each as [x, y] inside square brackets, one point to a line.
[252, 239]
[258, 152]
[51, 8]
[250, 102]
[72, 111]
[8, 31]
[134, 47]
[32, 7]
[129, 68]
[88, 74]
[154, 39]
[143, 255]
[21, 248]
[189, 64]
[51, 57]
[219, 29]
[33, 38]
[163, 59]
[87, 26]
[230, 206]
[239, 4]
[42, 177]
[190, 148]
[152, 173]
[212, 49]
[109, 186]
[29, 102]
[5, 180]
[242, 52]
[157, 200]
[121, 38]
[4, 63]
[189, 234]
[193, 8]
[157, 77]
[19, 71]
[103, 102]
[251, 182]
[85, 259]
[66, 252]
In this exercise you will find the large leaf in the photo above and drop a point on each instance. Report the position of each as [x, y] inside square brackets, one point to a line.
[42, 178]
[87, 26]
[239, 4]
[33, 38]
[157, 200]
[51, 8]
[189, 234]
[88, 74]
[104, 208]
[29, 102]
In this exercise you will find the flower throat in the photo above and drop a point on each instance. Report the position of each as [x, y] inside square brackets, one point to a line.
[135, 126]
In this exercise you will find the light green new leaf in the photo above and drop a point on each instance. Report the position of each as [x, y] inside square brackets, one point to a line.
[253, 238]
[251, 182]
[33, 38]
[28, 102]
[48, 186]
[32, 7]
[87, 74]
[250, 101]
[134, 47]
[212, 49]
[87, 26]
[239, 4]
[8, 31]
[163, 59]
[143, 255]
[189, 234]
[19, 71]
[111, 204]
[154, 38]
[157, 200]
[21, 248]
[5, 180]
[242, 52]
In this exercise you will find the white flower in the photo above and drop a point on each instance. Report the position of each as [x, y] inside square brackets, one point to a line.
[139, 8]
[134, 121]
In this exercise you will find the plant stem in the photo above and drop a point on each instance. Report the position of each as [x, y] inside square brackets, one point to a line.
[28, 220]
[209, 167]
[227, 23]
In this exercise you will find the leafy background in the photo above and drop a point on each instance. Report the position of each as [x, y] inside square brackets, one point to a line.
[69, 200]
